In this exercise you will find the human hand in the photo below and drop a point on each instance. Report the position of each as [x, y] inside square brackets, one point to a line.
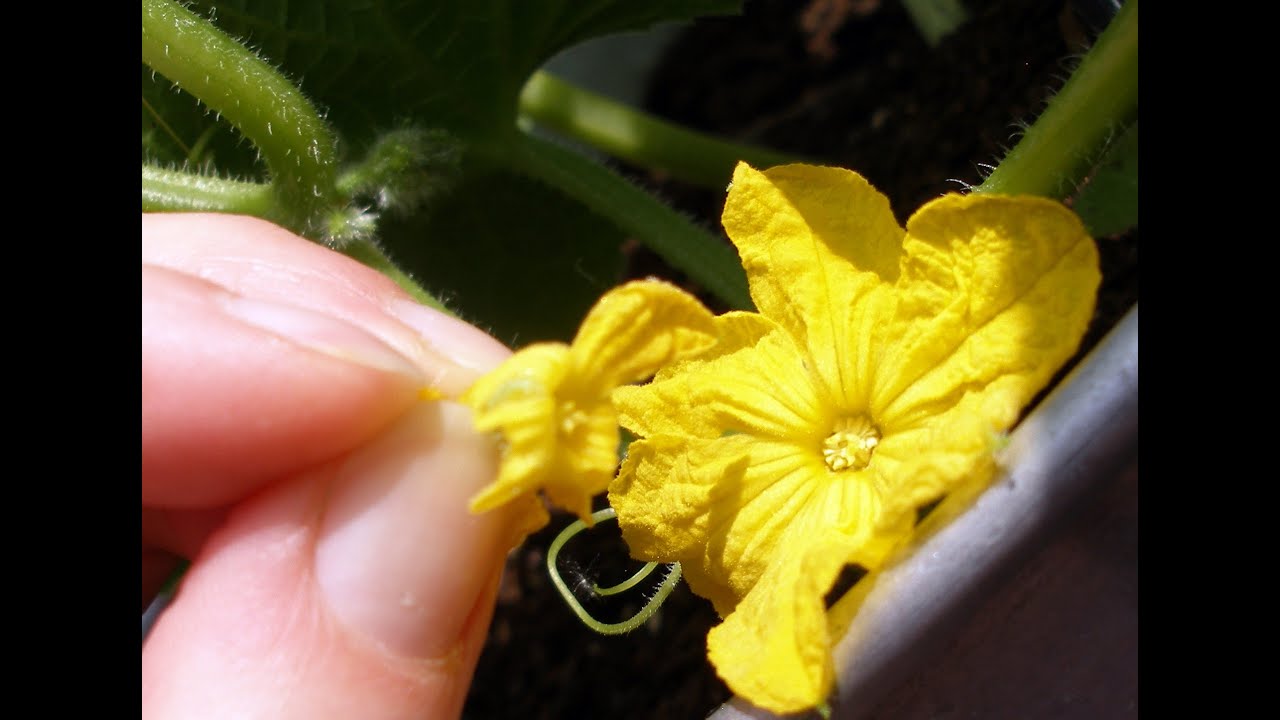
[335, 570]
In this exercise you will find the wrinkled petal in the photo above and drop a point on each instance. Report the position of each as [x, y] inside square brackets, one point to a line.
[752, 382]
[996, 293]
[663, 406]
[920, 465]
[635, 329]
[735, 331]
[518, 400]
[775, 648]
[720, 507]
[815, 243]
[585, 470]
[663, 497]
[776, 487]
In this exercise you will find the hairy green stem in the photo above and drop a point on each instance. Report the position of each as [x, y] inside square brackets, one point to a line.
[177, 191]
[650, 607]
[370, 254]
[705, 258]
[1093, 107]
[268, 109]
[637, 137]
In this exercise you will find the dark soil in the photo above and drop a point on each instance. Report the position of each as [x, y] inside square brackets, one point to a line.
[845, 82]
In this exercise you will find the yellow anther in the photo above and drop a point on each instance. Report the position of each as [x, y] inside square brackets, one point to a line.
[851, 443]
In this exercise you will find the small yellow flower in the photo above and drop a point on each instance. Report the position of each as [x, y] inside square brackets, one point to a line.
[550, 401]
[881, 367]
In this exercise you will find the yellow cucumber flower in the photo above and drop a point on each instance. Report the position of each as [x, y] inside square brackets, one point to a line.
[880, 371]
[550, 401]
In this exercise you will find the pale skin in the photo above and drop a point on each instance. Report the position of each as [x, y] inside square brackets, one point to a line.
[335, 570]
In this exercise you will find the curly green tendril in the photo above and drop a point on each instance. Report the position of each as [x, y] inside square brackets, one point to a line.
[635, 621]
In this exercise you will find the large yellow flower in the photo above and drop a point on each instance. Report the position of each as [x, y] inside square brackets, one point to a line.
[549, 402]
[878, 374]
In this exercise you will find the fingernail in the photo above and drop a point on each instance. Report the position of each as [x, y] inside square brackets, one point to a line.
[465, 344]
[400, 559]
[319, 332]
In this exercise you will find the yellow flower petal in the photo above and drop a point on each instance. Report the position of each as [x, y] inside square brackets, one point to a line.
[661, 496]
[588, 464]
[815, 242]
[526, 515]
[646, 410]
[518, 399]
[732, 388]
[996, 293]
[721, 507]
[917, 466]
[635, 329]
[774, 649]
[550, 402]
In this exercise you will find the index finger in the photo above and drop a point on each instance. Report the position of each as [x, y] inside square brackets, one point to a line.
[287, 358]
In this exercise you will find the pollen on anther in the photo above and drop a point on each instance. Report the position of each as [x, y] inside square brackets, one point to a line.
[850, 444]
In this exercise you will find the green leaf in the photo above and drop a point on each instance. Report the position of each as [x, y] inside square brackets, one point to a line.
[514, 256]
[457, 64]
[1108, 204]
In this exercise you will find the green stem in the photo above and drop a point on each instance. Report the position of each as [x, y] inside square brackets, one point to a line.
[177, 191]
[651, 606]
[299, 148]
[370, 254]
[1094, 106]
[705, 258]
[637, 137]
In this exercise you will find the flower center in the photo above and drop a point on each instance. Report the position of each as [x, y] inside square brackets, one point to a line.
[850, 445]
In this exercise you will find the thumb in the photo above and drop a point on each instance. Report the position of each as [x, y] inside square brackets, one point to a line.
[362, 588]
[341, 574]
